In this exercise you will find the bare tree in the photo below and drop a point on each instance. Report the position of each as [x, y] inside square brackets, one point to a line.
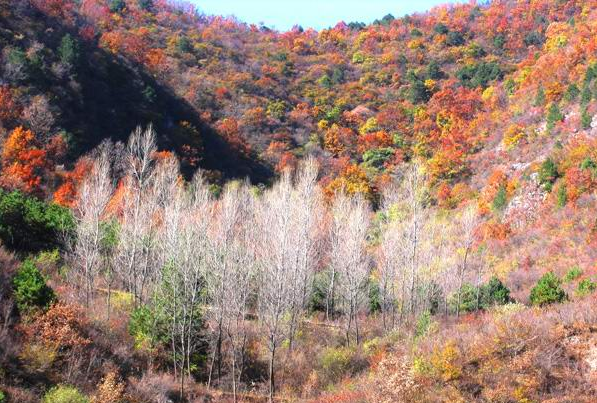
[414, 190]
[288, 248]
[349, 259]
[224, 231]
[411, 250]
[182, 277]
[306, 211]
[276, 258]
[240, 281]
[15, 68]
[188, 254]
[464, 241]
[86, 251]
[389, 259]
[39, 116]
[135, 252]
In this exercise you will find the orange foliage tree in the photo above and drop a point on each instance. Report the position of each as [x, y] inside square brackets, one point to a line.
[23, 162]
[61, 326]
[66, 194]
[352, 180]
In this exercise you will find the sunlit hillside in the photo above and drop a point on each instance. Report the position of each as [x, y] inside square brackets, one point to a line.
[196, 209]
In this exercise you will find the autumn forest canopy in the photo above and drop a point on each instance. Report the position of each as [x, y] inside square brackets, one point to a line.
[193, 208]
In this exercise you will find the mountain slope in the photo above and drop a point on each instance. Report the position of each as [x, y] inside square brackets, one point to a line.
[493, 104]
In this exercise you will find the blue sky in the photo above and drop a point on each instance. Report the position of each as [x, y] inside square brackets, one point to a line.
[283, 14]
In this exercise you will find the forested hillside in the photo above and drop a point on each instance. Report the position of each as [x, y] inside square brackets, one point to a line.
[197, 209]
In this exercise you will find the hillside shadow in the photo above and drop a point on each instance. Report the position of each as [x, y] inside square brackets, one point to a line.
[109, 97]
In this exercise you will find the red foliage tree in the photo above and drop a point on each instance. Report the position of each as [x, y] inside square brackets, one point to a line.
[9, 109]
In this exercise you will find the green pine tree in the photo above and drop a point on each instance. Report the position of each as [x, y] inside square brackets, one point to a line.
[540, 97]
[548, 291]
[500, 200]
[30, 288]
[585, 118]
[548, 173]
[585, 94]
[554, 115]
[562, 196]
[68, 51]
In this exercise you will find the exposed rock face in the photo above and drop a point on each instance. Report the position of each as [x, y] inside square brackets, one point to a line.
[524, 208]
[362, 111]
[584, 346]
[591, 359]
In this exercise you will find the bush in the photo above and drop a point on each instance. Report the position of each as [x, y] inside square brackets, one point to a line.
[64, 394]
[480, 74]
[321, 284]
[29, 224]
[433, 71]
[483, 297]
[110, 390]
[395, 379]
[153, 387]
[374, 295]
[454, 38]
[423, 325]
[533, 38]
[38, 357]
[548, 291]
[116, 6]
[30, 288]
[277, 109]
[47, 259]
[2, 397]
[586, 287]
[468, 299]
[62, 326]
[494, 293]
[441, 29]
[122, 300]
[335, 363]
[508, 309]
[146, 5]
[376, 158]
[499, 41]
[445, 362]
[574, 273]
[145, 327]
